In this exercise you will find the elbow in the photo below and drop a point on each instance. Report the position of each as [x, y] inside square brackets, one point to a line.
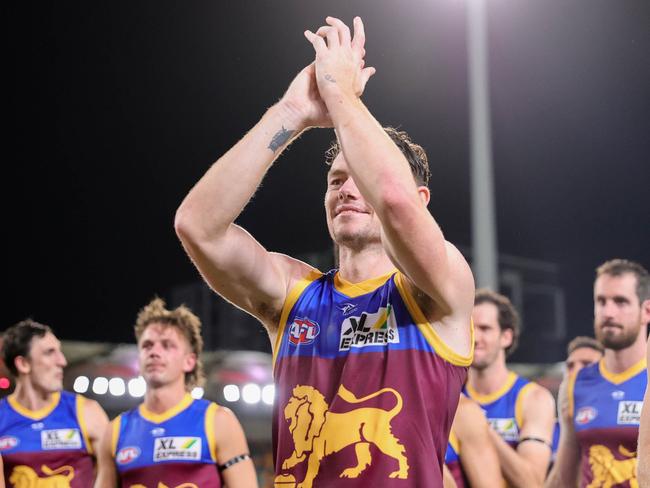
[182, 224]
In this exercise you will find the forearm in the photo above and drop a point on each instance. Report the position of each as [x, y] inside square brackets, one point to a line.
[377, 165]
[222, 193]
[517, 471]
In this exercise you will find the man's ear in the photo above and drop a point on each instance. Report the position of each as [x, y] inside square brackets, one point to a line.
[425, 194]
[22, 364]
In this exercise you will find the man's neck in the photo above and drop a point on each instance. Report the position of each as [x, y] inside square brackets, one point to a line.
[30, 397]
[488, 380]
[159, 400]
[360, 265]
[620, 361]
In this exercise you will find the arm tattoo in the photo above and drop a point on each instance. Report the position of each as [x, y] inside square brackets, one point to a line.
[280, 138]
[330, 78]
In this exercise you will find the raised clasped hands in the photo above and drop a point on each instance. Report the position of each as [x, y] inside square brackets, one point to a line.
[338, 71]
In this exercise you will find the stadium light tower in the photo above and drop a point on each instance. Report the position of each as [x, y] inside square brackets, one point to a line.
[484, 236]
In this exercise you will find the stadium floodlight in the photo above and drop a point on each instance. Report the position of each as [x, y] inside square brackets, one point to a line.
[251, 393]
[268, 394]
[197, 392]
[231, 393]
[137, 387]
[116, 386]
[100, 385]
[81, 384]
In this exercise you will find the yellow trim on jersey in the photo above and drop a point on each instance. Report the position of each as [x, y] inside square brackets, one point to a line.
[618, 378]
[491, 397]
[115, 434]
[354, 290]
[158, 418]
[290, 301]
[35, 414]
[455, 442]
[209, 430]
[429, 333]
[570, 388]
[81, 402]
[519, 403]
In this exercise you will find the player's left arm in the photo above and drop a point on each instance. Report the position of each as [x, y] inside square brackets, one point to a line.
[643, 451]
[2, 474]
[233, 456]
[95, 420]
[410, 234]
[527, 466]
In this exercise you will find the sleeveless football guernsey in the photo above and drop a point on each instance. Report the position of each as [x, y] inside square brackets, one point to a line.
[366, 391]
[47, 447]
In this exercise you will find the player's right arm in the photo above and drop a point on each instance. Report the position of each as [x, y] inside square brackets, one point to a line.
[643, 452]
[566, 467]
[106, 472]
[2, 474]
[478, 456]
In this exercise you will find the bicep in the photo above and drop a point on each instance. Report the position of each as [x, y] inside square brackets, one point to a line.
[230, 443]
[243, 272]
[96, 422]
[539, 421]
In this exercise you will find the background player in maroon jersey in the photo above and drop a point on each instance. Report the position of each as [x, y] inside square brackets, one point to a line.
[169, 347]
[525, 463]
[33, 355]
[621, 315]
[375, 210]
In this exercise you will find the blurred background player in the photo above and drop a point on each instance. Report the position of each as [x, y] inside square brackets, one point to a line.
[581, 351]
[46, 433]
[520, 412]
[600, 427]
[172, 439]
[471, 457]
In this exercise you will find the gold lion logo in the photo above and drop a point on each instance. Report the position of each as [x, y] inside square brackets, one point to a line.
[609, 471]
[318, 432]
[26, 477]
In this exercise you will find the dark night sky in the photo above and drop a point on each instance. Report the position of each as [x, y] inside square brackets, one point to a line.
[116, 109]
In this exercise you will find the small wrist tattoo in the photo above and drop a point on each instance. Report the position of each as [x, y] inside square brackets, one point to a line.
[280, 138]
[330, 78]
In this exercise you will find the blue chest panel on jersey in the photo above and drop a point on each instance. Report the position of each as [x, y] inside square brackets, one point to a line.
[56, 430]
[328, 323]
[181, 438]
[501, 412]
[599, 403]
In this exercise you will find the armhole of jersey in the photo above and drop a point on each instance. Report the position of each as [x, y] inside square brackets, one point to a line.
[570, 391]
[429, 333]
[290, 301]
[115, 436]
[455, 442]
[80, 404]
[209, 430]
[519, 403]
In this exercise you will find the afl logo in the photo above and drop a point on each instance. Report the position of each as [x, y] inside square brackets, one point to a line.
[586, 415]
[8, 442]
[127, 455]
[303, 331]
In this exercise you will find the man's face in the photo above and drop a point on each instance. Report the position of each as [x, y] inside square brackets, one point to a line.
[45, 362]
[489, 340]
[351, 221]
[581, 357]
[617, 311]
[164, 355]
